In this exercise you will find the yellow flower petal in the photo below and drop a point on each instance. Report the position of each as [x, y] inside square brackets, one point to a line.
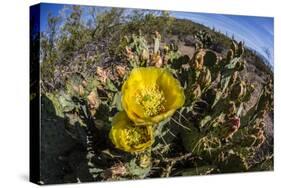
[172, 89]
[127, 137]
[150, 95]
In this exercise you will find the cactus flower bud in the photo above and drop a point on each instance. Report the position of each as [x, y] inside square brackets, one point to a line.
[102, 74]
[240, 50]
[250, 88]
[230, 55]
[79, 90]
[157, 34]
[117, 170]
[93, 100]
[156, 60]
[195, 92]
[231, 108]
[234, 46]
[84, 83]
[121, 70]
[241, 65]
[238, 91]
[233, 78]
[232, 125]
[129, 53]
[197, 61]
[75, 88]
[261, 125]
[261, 139]
[205, 78]
[144, 161]
[144, 55]
[235, 122]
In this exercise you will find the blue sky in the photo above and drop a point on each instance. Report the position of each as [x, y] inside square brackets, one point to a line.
[45, 9]
[256, 32]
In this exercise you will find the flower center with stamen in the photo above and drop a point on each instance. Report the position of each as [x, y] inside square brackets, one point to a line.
[152, 100]
[136, 135]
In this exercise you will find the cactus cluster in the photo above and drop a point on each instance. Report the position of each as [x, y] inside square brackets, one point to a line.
[204, 40]
[212, 132]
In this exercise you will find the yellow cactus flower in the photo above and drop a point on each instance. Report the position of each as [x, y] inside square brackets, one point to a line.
[150, 95]
[127, 137]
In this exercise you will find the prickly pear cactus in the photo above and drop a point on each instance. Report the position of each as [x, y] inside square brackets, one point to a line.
[204, 39]
[159, 113]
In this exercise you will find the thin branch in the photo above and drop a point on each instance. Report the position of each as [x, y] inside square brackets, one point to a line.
[180, 124]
